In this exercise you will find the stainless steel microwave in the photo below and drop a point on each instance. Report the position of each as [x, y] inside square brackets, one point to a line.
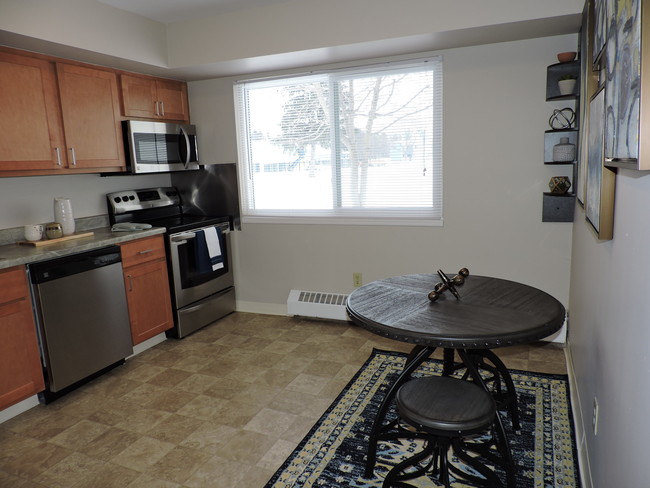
[159, 147]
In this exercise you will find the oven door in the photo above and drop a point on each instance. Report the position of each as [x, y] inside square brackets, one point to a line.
[191, 285]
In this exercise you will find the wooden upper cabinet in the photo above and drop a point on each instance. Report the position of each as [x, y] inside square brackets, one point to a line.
[21, 375]
[91, 117]
[32, 135]
[152, 98]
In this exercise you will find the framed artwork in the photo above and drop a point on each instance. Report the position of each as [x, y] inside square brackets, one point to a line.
[623, 80]
[600, 180]
[600, 31]
[585, 67]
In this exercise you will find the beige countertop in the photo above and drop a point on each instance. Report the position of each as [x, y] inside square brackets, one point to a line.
[17, 254]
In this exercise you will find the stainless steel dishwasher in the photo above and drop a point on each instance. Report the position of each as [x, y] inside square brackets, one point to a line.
[82, 317]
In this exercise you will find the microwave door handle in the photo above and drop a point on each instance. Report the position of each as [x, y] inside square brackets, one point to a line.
[187, 147]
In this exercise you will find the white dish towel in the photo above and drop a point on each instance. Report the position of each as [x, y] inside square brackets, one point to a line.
[212, 239]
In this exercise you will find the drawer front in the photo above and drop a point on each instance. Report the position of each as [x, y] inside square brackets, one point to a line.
[13, 284]
[142, 250]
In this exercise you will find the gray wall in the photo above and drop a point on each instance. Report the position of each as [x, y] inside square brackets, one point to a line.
[30, 200]
[609, 337]
[495, 116]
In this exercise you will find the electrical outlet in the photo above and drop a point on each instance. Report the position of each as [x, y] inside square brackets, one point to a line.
[594, 418]
[356, 280]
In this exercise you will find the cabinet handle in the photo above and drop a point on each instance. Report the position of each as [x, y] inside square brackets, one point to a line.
[156, 110]
[130, 282]
[146, 251]
[162, 108]
[74, 157]
[58, 156]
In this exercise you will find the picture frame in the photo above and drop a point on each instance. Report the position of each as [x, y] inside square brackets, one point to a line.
[586, 34]
[600, 180]
[600, 32]
[623, 85]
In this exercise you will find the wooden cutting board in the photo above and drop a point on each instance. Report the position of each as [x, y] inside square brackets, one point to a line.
[57, 240]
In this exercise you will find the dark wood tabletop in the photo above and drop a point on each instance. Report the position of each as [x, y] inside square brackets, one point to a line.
[491, 312]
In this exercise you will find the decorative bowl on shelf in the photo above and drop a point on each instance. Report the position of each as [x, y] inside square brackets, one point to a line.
[566, 57]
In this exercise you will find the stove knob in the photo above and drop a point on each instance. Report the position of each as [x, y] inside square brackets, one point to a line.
[117, 199]
[131, 197]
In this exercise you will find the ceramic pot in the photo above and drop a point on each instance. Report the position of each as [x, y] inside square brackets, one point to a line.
[53, 230]
[33, 232]
[566, 87]
[63, 215]
[566, 57]
[564, 151]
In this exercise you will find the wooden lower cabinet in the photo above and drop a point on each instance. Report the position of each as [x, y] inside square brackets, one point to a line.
[21, 374]
[147, 288]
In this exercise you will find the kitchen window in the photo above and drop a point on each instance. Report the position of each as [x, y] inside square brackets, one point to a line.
[360, 145]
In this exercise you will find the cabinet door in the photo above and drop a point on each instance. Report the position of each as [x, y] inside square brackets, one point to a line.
[155, 98]
[147, 293]
[32, 136]
[91, 117]
[139, 96]
[21, 375]
[172, 97]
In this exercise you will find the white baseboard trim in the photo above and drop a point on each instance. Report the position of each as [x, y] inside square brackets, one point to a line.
[18, 408]
[149, 343]
[263, 308]
[576, 409]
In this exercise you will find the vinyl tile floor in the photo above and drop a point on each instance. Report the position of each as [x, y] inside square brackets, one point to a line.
[223, 407]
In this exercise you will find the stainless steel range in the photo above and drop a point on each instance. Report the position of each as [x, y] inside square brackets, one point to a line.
[202, 291]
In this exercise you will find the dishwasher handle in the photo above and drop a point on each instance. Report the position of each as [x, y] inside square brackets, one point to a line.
[53, 269]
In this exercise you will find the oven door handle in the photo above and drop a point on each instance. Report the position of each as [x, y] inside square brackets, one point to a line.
[179, 239]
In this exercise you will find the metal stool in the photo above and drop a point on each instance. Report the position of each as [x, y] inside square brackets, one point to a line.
[445, 412]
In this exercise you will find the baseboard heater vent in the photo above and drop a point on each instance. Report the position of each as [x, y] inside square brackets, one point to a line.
[317, 304]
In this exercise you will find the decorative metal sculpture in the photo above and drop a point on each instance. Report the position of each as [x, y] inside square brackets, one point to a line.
[449, 284]
[562, 119]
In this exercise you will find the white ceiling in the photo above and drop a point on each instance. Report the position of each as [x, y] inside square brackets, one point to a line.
[168, 11]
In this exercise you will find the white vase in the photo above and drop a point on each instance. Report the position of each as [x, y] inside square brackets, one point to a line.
[63, 215]
[564, 151]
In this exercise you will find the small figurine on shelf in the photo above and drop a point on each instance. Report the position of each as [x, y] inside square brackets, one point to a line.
[562, 118]
[559, 184]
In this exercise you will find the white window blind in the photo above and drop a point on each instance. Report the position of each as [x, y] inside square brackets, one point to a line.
[346, 145]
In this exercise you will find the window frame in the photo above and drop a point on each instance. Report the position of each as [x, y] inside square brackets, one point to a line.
[418, 216]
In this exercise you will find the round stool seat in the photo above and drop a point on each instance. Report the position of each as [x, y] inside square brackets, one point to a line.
[445, 406]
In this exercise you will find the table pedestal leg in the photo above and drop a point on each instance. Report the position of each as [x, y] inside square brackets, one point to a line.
[505, 399]
[418, 355]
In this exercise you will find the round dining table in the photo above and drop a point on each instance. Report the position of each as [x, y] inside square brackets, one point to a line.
[472, 319]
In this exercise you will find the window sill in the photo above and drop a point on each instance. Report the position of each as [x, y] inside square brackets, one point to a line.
[404, 222]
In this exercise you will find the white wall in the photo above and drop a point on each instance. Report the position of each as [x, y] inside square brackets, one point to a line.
[609, 336]
[295, 26]
[494, 121]
[30, 200]
[281, 35]
[89, 25]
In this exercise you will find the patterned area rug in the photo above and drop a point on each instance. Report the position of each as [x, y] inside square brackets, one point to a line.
[333, 453]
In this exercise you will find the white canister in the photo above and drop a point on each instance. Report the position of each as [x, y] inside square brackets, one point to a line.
[33, 232]
[63, 215]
